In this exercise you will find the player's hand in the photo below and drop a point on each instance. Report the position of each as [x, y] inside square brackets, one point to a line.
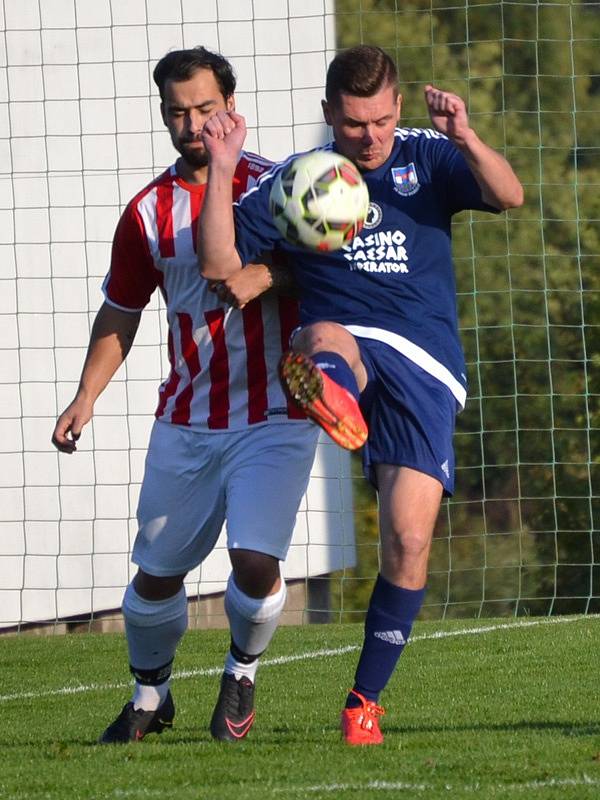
[448, 113]
[243, 286]
[69, 425]
[223, 135]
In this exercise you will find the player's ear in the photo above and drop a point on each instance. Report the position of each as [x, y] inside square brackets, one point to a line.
[398, 106]
[326, 111]
[230, 103]
[162, 113]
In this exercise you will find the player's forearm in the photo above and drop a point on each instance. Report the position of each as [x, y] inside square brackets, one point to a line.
[499, 185]
[112, 335]
[217, 256]
[102, 361]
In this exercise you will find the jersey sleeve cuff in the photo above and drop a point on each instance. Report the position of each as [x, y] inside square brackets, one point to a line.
[120, 307]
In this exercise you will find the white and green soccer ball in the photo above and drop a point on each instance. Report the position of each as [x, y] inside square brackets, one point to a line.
[319, 201]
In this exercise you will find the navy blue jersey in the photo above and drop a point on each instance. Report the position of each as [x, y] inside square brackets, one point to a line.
[395, 281]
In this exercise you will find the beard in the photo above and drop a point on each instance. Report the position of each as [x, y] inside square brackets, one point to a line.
[195, 157]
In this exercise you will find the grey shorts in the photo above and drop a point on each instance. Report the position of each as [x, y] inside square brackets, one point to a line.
[194, 482]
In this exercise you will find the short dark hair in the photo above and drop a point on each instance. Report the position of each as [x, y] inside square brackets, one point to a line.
[181, 65]
[360, 71]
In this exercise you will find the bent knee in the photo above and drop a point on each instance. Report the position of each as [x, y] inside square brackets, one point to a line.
[157, 587]
[323, 336]
[256, 574]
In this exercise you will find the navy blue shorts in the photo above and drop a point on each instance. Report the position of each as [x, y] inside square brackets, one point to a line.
[410, 414]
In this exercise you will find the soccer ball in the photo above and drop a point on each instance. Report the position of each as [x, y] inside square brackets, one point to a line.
[319, 201]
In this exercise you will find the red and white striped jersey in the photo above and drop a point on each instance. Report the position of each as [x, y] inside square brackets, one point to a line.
[223, 360]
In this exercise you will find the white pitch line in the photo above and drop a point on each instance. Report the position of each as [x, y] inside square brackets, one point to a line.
[473, 788]
[384, 786]
[282, 660]
[371, 786]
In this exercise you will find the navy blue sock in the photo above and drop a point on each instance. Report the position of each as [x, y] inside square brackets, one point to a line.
[392, 611]
[337, 368]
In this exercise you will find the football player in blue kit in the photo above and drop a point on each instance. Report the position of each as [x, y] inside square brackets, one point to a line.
[378, 359]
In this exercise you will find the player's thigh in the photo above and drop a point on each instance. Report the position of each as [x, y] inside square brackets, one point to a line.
[411, 417]
[409, 501]
[182, 501]
[267, 476]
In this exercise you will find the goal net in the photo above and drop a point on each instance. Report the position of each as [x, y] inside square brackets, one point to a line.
[80, 133]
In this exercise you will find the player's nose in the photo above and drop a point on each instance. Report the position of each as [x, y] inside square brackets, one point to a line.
[195, 122]
[368, 137]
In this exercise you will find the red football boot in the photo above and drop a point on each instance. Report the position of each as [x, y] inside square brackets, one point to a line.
[323, 400]
[360, 725]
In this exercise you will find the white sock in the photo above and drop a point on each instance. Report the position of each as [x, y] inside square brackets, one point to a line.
[149, 697]
[252, 622]
[154, 629]
[237, 668]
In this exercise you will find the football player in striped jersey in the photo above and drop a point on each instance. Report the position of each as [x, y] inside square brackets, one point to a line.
[227, 444]
[378, 360]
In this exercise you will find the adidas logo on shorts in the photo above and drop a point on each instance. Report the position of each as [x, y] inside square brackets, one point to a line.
[391, 637]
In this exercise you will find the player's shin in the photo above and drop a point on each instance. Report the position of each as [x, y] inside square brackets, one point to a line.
[252, 622]
[390, 617]
[392, 611]
[154, 629]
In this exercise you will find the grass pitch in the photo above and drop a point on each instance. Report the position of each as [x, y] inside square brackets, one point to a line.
[499, 709]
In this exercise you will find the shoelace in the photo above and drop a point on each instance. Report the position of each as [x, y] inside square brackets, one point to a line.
[237, 697]
[370, 711]
[246, 691]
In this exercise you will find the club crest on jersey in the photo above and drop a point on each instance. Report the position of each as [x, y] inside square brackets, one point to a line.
[405, 180]
[374, 216]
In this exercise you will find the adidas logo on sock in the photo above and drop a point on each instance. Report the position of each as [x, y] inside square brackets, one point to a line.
[391, 637]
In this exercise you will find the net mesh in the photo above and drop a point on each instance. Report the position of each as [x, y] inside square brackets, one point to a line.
[519, 536]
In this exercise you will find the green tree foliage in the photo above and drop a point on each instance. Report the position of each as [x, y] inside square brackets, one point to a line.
[520, 535]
